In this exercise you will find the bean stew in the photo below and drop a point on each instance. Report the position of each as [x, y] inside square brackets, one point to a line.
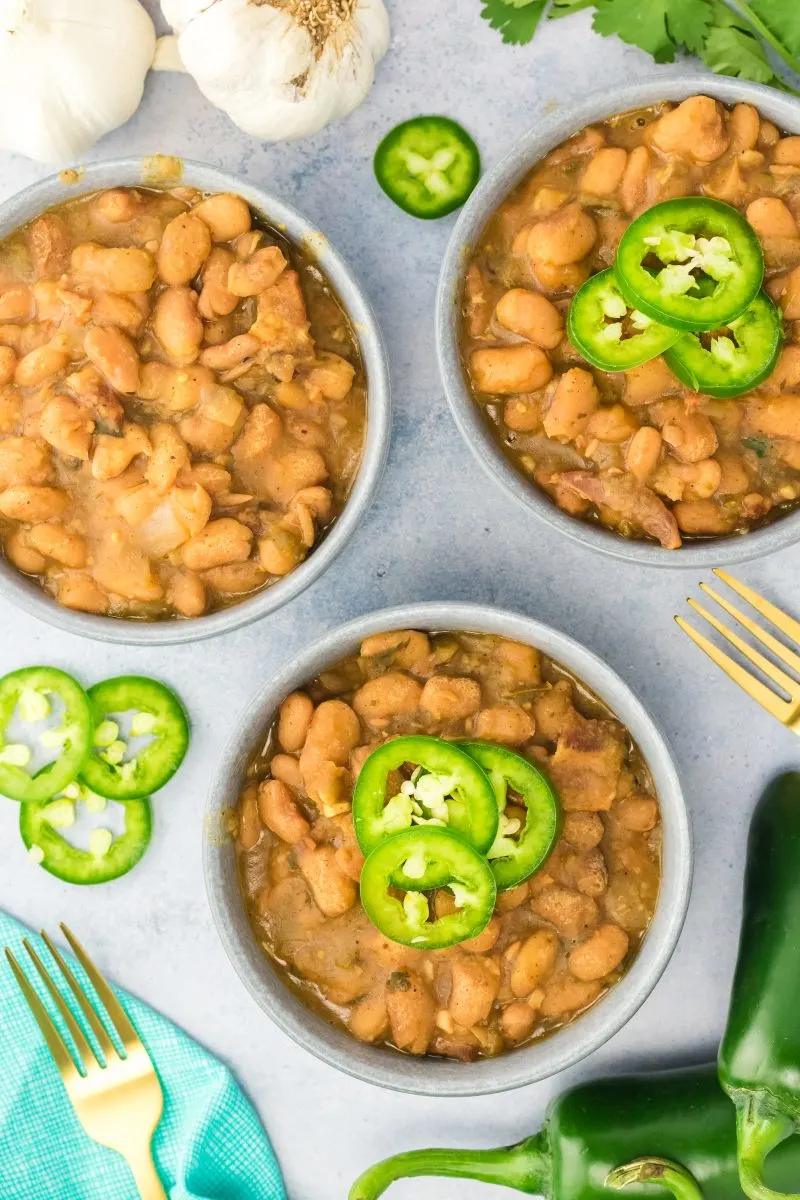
[555, 944]
[637, 451]
[182, 403]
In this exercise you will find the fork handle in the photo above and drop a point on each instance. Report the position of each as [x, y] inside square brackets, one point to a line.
[147, 1181]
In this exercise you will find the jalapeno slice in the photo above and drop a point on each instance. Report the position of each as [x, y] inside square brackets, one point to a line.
[610, 334]
[107, 858]
[158, 714]
[518, 850]
[733, 360]
[28, 694]
[692, 263]
[451, 790]
[428, 166]
[409, 920]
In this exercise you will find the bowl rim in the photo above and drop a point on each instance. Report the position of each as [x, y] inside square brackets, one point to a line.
[489, 194]
[389, 1069]
[131, 171]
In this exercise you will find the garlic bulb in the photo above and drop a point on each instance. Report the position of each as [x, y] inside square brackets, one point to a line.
[281, 68]
[70, 71]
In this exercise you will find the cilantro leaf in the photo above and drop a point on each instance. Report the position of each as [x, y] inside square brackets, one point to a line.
[732, 51]
[640, 23]
[689, 23]
[782, 18]
[517, 20]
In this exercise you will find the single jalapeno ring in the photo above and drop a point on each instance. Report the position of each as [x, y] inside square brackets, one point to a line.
[408, 921]
[734, 360]
[27, 693]
[452, 791]
[514, 859]
[692, 263]
[107, 858]
[610, 334]
[428, 166]
[158, 714]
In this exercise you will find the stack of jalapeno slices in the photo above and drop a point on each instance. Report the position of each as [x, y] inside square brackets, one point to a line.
[686, 284]
[62, 748]
[720, 1131]
[448, 827]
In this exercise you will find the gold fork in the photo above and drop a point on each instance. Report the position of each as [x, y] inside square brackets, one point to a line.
[787, 707]
[118, 1102]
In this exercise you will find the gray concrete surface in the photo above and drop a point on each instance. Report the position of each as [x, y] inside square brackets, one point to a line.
[439, 529]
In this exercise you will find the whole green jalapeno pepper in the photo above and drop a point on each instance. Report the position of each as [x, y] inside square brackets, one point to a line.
[759, 1059]
[595, 1129]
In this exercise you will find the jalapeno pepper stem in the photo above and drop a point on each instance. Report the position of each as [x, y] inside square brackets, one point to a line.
[524, 1167]
[670, 1175]
[760, 1128]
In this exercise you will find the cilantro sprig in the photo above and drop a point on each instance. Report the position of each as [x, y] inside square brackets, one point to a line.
[732, 37]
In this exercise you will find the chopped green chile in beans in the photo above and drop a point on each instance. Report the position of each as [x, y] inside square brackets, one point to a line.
[595, 1129]
[561, 933]
[182, 403]
[637, 450]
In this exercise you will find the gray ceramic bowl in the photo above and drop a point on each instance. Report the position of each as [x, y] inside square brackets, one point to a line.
[427, 1076]
[549, 132]
[156, 171]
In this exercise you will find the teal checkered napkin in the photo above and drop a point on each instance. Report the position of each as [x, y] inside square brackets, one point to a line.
[210, 1144]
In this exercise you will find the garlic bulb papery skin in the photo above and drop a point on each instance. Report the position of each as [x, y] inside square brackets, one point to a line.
[70, 72]
[281, 69]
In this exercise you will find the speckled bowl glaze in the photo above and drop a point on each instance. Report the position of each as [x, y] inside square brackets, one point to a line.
[161, 172]
[548, 133]
[429, 1076]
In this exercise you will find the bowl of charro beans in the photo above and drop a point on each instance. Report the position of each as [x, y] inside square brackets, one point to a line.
[624, 434]
[194, 406]
[562, 899]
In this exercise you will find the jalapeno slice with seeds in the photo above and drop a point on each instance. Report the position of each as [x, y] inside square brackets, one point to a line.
[28, 693]
[729, 362]
[428, 166]
[610, 334]
[107, 858]
[158, 714]
[450, 791]
[408, 920]
[692, 263]
[518, 851]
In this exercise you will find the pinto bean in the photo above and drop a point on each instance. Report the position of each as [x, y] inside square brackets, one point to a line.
[691, 436]
[114, 355]
[572, 913]
[222, 541]
[504, 370]
[532, 961]
[565, 995]
[584, 830]
[485, 940]
[694, 130]
[532, 316]
[33, 504]
[113, 268]
[24, 460]
[294, 721]
[333, 732]
[67, 427]
[235, 579]
[506, 723]
[37, 366]
[216, 300]
[744, 124]
[23, 555]
[119, 311]
[612, 423]
[185, 246]
[232, 353]
[600, 954]
[59, 543]
[8, 364]
[634, 181]
[333, 375]
[16, 303]
[334, 892]
[78, 591]
[250, 827]
[257, 273]
[390, 695]
[565, 237]
[369, 1019]
[113, 455]
[638, 813]
[226, 215]
[574, 400]
[448, 698]
[475, 984]
[771, 217]
[787, 151]
[186, 593]
[286, 768]
[412, 1011]
[280, 813]
[290, 473]
[169, 457]
[605, 171]
[517, 1021]
[177, 325]
[702, 517]
[643, 453]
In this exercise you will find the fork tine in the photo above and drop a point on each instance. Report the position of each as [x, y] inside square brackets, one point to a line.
[114, 1009]
[778, 649]
[96, 1025]
[779, 618]
[754, 687]
[55, 1044]
[85, 1052]
[756, 658]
